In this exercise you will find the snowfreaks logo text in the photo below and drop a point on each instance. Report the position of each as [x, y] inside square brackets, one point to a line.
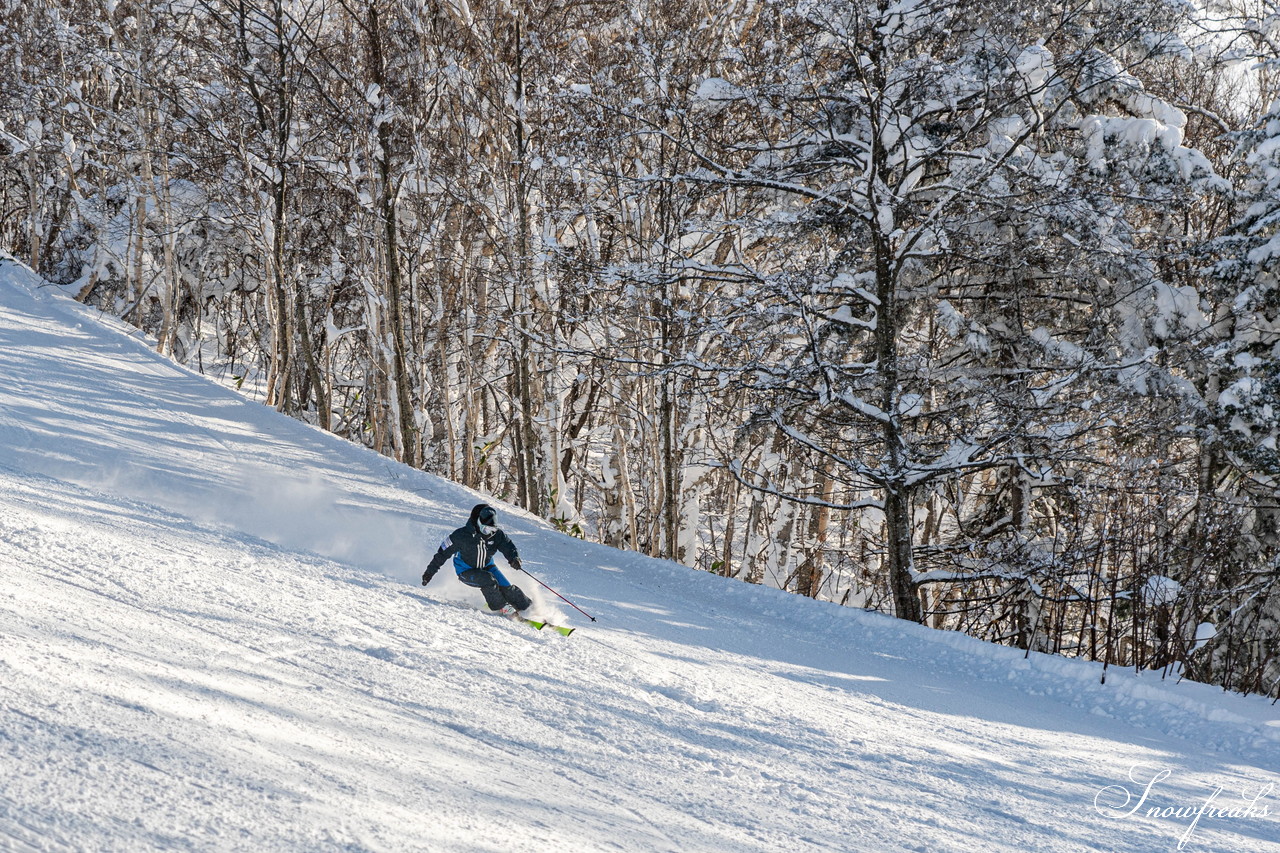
[1143, 798]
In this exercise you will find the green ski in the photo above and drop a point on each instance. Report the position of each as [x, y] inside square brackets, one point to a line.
[559, 629]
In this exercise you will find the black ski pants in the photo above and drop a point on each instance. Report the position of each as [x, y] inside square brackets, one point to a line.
[496, 595]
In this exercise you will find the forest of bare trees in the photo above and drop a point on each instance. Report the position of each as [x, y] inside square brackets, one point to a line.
[965, 312]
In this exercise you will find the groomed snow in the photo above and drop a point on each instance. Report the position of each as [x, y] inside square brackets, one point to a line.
[212, 637]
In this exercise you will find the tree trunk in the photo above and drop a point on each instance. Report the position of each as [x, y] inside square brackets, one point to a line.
[408, 432]
[897, 514]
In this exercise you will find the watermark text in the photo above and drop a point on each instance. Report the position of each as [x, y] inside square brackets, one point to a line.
[1143, 798]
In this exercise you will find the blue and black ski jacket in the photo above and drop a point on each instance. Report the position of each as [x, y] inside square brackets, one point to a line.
[472, 549]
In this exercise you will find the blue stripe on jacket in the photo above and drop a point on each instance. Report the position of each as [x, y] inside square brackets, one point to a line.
[460, 566]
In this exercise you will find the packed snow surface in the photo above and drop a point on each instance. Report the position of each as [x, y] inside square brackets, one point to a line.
[213, 637]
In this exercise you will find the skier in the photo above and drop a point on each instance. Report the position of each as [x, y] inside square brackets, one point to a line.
[473, 547]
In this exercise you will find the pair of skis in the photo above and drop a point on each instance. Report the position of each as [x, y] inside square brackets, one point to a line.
[510, 614]
[559, 629]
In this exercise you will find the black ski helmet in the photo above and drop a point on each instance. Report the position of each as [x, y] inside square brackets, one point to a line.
[484, 515]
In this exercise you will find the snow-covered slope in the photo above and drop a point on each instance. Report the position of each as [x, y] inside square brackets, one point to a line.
[212, 637]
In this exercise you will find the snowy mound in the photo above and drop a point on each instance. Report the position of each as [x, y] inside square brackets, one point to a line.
[212, 637]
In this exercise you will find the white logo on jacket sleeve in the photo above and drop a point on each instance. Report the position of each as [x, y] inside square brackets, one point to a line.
[448, 540]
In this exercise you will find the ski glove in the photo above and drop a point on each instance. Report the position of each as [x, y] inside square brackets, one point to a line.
[515, 564]
[427, 576]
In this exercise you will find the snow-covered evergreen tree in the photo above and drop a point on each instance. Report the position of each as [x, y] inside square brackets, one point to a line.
[957, 245]
[1242, 419]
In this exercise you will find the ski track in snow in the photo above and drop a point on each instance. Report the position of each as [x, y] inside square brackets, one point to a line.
[212, 637]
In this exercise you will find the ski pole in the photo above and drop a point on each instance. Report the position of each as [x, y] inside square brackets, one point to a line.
[558, 595]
